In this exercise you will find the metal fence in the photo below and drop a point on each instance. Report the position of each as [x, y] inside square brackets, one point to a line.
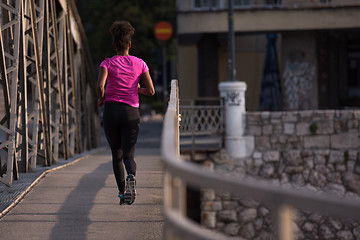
[47, 81]
[202, 124]
[179, 173]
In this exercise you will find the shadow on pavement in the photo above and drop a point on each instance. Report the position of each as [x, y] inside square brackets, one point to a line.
[81, 201]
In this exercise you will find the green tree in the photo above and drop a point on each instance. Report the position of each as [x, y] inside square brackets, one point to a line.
[98, 15]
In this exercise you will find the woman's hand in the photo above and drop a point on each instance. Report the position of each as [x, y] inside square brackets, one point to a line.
[149, 89]
[101, 101]
[100, 85]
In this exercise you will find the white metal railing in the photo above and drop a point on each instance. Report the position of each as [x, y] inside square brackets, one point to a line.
[218, 5]
[177, 172]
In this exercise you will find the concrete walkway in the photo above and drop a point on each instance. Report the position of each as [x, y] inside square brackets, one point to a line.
[80, 201]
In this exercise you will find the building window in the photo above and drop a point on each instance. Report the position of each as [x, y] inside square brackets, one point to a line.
[241, 3]
[238, 4]
[205, 4]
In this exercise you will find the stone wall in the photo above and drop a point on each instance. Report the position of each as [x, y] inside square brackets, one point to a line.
[315, 150]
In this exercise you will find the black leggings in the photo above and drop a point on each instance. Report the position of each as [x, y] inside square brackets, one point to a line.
[121, 126]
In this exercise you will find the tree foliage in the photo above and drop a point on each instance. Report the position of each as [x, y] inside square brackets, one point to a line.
[98, 15]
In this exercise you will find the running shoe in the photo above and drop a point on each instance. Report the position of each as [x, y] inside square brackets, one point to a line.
[130, 192]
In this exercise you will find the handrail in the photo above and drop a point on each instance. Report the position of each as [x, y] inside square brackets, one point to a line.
[194, 175]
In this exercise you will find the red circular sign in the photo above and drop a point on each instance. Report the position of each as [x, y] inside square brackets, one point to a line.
[163, 30]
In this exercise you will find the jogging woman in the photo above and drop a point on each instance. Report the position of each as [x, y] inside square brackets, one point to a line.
[121, 118]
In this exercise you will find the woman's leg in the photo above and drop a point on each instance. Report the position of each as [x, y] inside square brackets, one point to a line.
[130, 133]
[112, 120]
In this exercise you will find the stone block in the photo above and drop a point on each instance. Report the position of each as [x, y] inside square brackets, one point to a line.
[267, 171]
[293, 157]
[254, 130]
[352, 181]
[265, 116]
[208, 219]
[316, 141]
[208, 165]
[248, 215]
[208, 195]
[347, 114]
[325, 232]
[232, 229]
[340, 126]
[249, 202]
[357, 114]
[271, 156]
[309, 162]
[298, 179]
[257, 155]
[263, 211]
[293, 169]
[345, 141]
[259, 162]
[278, 129]
[253, 118]
[248, 231]
[329, 114]
[267, 129]
[290, 116]
[325, 127]
[344, 235]
[310, 227]
[335, 188]
[302, 129]
[353, 125]
[317, 179]
[306, 115]
[276, 115]
[262, 143]
[353, 155]
[335, 177]
[336, 156]
[211, 206]
[289, 128]
[335, 223]
[230, 205]
[228, 216]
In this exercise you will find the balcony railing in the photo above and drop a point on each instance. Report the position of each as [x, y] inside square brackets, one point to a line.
[220, 5]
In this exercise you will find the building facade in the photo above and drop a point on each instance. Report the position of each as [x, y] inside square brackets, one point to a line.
[317, 45]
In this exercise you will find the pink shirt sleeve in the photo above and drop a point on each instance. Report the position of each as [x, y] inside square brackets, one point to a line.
[145, 68]
[105, 64]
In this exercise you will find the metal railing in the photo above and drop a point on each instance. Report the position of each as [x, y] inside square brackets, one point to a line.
[46, 78]
[220, 5]
[178, 173]
[202, 124]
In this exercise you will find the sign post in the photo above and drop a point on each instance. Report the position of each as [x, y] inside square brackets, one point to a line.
[163, 32]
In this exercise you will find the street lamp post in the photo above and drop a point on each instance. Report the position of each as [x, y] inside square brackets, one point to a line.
[231, 42]
[233, 93]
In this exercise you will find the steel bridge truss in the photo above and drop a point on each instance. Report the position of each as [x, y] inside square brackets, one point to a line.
[47, 109]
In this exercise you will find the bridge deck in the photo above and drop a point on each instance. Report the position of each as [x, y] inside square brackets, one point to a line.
[80, 201]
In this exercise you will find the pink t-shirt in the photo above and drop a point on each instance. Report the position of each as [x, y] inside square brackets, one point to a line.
[124, 73]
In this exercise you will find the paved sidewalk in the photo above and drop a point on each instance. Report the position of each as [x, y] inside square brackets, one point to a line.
[80, 201]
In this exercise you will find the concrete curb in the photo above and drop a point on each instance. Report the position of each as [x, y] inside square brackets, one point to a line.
[76, 159]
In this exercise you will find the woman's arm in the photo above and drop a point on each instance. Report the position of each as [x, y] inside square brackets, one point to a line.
[149, 86]
[101, 85]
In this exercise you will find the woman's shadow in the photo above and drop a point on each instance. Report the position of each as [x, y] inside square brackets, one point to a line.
[73, 216]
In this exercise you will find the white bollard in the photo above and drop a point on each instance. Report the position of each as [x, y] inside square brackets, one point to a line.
[236, 144]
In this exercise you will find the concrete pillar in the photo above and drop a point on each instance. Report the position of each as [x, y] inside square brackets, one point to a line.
[236, 144]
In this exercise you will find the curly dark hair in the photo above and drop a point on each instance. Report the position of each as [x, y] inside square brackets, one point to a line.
[121, 32]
